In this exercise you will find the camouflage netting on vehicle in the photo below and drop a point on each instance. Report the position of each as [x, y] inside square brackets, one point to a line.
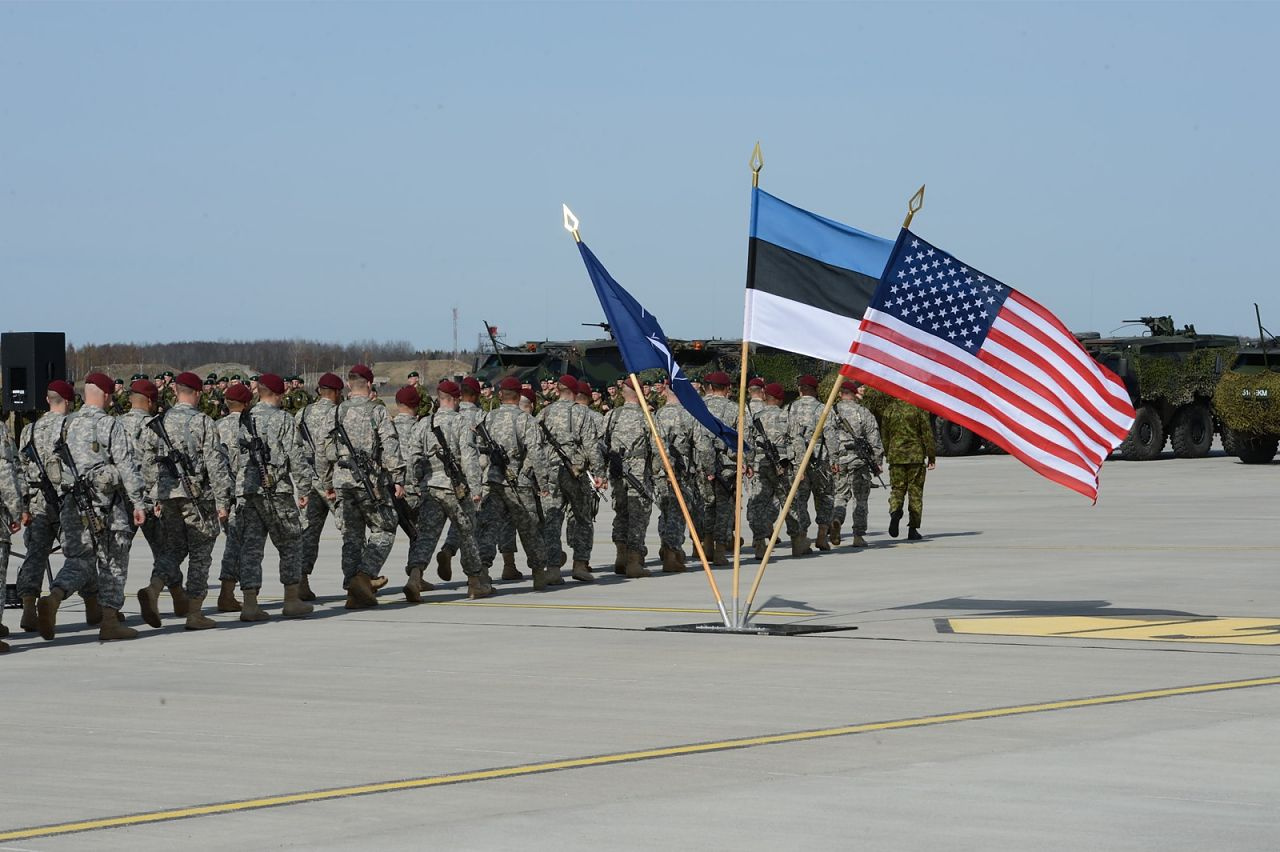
[1249, 415]
[1181, 381]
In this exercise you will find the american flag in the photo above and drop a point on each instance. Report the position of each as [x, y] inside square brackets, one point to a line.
[962, 345]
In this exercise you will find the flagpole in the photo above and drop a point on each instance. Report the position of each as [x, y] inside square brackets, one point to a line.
[913, 207]
[756, 163]
[675, 488]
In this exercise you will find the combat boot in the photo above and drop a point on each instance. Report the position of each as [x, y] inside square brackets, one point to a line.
[180, 602]
[635, 565]
[444, 564]
[913, 534]
[800, 546]
[759, 546]
[112, 629]
[378, 582]
[895, 518]
[227, 597]
[670, 562]
[479, 587]
[509, 570]
[92, 612]
[719, 554]
[680, 556]
[149, 601]
[360, 592]
[822, 543]
[833, 535]
[620, 562]
[859, 541]
[47, 612]
[539, 578]
[251, 611]
[554, 576]
[582, 572]
[29, 621]
[196, 620]
[413, 588]
[304, 589]
[293, 605]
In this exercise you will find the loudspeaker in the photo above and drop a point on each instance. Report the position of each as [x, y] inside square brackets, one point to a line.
[29, 360]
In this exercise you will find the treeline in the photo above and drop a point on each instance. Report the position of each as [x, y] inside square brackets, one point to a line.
[272, 356]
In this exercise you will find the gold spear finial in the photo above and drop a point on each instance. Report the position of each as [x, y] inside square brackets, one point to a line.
[571, 223]
[757, 163]
[914, 205]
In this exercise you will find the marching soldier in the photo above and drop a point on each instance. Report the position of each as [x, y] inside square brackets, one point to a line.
[315, 425]
[405, 423]
[911, 450]
[570, 444]
[12, 513]
[677, 429]
[803, 415]
[142, 407]
[755, 396]
[44, 501]
[227, 430]
[192, 498]
[450, 481]
[858, 454]
[772, 460]
[718, 494]
[99, 470]
[365, 445]
[580, 530]
[628, 449]
[274, 482]
[472, 414]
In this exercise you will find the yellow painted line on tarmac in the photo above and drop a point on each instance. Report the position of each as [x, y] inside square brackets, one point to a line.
[242, 805]
[1231, 631]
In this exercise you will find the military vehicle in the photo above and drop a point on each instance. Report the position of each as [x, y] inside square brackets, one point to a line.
[1246, 401]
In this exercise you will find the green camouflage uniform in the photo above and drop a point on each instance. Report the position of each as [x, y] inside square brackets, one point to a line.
[908, 447]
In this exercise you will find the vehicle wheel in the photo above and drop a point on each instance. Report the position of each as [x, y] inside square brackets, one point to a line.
[953, 439]
[1192, 434]
[1229, 441]
[1253, 449]
[1146, 439]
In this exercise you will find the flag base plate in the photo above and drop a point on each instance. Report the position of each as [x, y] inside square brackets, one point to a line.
[754, 629]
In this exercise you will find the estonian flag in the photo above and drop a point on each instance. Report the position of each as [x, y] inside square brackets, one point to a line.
[809, 279]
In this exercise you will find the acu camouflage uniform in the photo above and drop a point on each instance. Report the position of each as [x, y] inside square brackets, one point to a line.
[440, 499]
[720, 462]
[802, 417]
[510, 497]
[134, 421]
[406, 427]
[471, 414]
[571, 489]
[908, 447]
[315, 425]
[227, 434]
[850, 422]
[12, 493]
[580, 528]
[772, 484]
[677, 429]
[40, 537]
[628, 447]
[368, 525]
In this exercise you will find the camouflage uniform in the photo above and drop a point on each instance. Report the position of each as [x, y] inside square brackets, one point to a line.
[908, 447]
[513, 502]
[406, 427]
[12, 491]
[368, 526]
[167, 399]
[188, 524]
[440, 500]
[227, 434]
[720, 461]
[296, 400]
[211, 404]
[135, 421]
[570, 484]
[270, 508]
[104, 456]
[580, 527]
[772, 484]
[850, 422]
[471, 414]
[45, 528]
[676, 427]
[315, 422]
[629, 447]
[802, 416]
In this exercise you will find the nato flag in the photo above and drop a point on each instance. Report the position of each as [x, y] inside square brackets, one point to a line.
[644, 346]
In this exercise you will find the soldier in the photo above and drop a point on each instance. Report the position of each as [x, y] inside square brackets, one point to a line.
[142, 407]
[718, 494]
[166, 397]
[227, 430]
[426, 405]
[44, 501]
[755, 396]
[471, 413]
[450, 482]
[102, 472]
[192, 498]
[405, 423]
[772, 461]
[910, 450]
[516, 488]
[368, 522]
[315, 425]
[119, 399]
[574, 453]
[856, 440]
[210, 405]
[628, 450]
[12, 513]
[803, 415]
[678, 429]
[274, 483]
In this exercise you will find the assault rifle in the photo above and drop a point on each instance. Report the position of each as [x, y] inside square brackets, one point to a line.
[618, 470]
[361, 466]
[51, 495]
[452, 468]
[559, 450]
[179, 465]
[259, 452]
[501, 459]
[780, 465]
[81, 494]
[860, 446]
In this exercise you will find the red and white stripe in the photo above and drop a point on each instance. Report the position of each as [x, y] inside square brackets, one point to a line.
[1031, 389]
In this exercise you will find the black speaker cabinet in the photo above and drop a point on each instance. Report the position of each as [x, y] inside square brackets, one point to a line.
[29, 360]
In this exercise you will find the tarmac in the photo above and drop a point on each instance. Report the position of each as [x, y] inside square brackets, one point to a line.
[1039, 673]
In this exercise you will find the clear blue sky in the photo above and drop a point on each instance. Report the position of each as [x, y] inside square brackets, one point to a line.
[237, 170]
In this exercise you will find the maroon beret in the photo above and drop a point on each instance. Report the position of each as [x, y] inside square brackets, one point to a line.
[472, 384]
[359, 370]
[807, 382]
[568, 381]
[510, 383]
[775, 390]
[101, 381]
[146, 387]
[408, 395]
[451, 388]
[63, 389]
[240, 393]
[528, 394]
[271, 382]
[757, 382]
[719, 377]
[329, 381]
[851, 387]
[189, 380]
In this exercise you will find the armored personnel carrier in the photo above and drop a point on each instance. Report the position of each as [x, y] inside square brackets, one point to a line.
[1247, 401]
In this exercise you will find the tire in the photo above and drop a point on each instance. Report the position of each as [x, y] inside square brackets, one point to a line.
[1145, 440]
[1229, 442]
[953, 439]
[1253, 449]
[1192, 434]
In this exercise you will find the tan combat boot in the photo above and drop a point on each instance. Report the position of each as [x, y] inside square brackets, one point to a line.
[196, 620]
[92, 612]
[180, 602]
[227, 597]
[304, 589]
[822, 543]
[539, 578]
[444, 564]
[413, 588]
[29, 622]
[858, 541]
[620, 562]
[47, 613]
[251, 611]
[833, 535]
[479, 587]
[111, 628]
[671, 562]
[800, 545]
[149, 601]
[378, 582]
[360, 592]
[294, 607]
[719, 554]
[582, 572]
[509, 570]
[635, 565]
[553, 573]
[759, 546]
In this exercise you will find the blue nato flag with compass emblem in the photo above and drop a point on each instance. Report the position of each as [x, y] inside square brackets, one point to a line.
[644, 345]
